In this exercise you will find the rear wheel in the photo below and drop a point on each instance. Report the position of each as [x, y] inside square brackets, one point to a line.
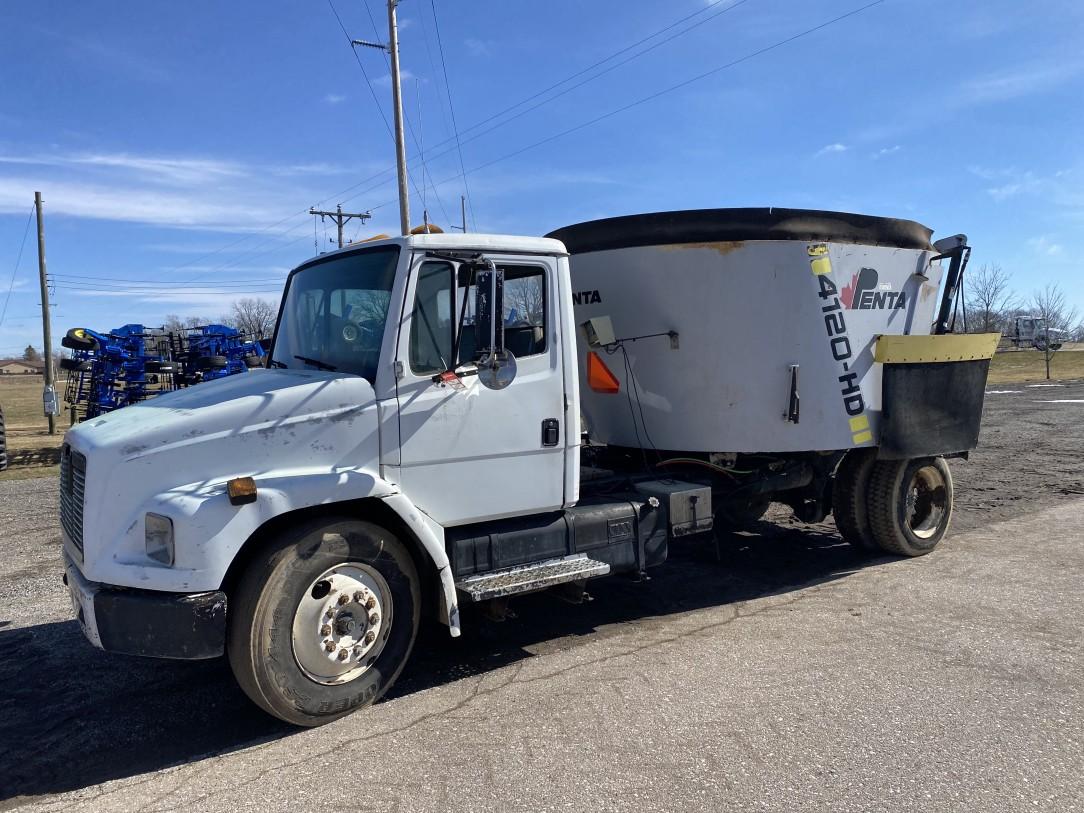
[910, 504]
[323, 622]
[849, 494]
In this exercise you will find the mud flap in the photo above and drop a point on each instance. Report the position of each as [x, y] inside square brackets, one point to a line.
[931, 408]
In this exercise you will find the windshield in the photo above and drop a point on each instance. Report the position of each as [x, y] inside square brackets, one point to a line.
[334, 313]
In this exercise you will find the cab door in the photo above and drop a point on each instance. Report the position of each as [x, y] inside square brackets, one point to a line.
[468, 453]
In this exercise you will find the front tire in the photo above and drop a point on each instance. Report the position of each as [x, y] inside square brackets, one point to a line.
[910, 504]
[323, 622]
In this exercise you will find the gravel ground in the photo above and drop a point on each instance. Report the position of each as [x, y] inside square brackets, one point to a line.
[780, 672]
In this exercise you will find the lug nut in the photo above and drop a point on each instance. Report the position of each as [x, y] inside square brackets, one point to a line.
[325, 630]
[358, 651]
[359, 597]
[374, 618]
[343, 654]
[343, 599]
[370, 636]
[370, 602]
[330, 646]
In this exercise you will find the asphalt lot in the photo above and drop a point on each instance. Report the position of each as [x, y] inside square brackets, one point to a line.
[788, 674]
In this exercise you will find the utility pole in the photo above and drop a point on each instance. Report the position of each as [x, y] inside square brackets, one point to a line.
[46, 327]
[392, 48]
[463, 211]
[397, 101]
[341, 218]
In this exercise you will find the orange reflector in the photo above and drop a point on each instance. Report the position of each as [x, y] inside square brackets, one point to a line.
[599, 377]
[241, 490]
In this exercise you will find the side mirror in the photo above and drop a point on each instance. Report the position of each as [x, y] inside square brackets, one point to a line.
[496, 365]
[489, 310]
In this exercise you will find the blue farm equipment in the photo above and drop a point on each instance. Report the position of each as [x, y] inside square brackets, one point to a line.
[214, 351]
[107, 371]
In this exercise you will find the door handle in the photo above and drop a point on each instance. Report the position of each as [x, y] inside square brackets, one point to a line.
[551, 432]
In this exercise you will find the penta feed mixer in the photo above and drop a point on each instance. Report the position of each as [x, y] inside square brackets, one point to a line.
[794, 353]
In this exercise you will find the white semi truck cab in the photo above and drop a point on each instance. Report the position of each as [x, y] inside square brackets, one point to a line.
[415, 442]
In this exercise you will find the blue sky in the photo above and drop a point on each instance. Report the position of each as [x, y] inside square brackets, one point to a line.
[179, 145]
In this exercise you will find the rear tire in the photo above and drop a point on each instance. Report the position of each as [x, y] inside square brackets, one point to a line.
[276, 645]
[850, 492]
[910, 504]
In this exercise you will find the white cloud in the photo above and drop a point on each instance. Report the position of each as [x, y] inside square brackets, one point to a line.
[1045, 245]
[477, 47]
[334, 98]
[881, 153]
[1021, 80]
[166, 169]
[385, 80]
[832, 148]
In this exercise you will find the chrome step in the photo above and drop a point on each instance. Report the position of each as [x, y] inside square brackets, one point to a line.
[529, 578]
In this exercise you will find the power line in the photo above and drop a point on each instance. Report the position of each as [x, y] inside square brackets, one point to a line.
[670, 89]
[585, 81]
[15, 270]
[389, 171]
[451, 110]
[372, 92]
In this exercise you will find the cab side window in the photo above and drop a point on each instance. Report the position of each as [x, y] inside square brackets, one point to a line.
[524, 310]
[432, 322]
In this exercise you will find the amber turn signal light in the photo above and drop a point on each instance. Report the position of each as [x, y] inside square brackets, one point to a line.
[241, 490]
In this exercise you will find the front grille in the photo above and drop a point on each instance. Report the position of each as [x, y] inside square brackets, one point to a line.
[73, 481]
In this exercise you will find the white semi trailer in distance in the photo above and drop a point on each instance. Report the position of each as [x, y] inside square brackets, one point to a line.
[415, 442]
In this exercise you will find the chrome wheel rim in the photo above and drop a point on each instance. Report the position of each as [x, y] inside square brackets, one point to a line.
[341, 623]
[927, 501]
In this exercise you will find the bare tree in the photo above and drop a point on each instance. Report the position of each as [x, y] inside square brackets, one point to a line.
[254, 317]
[989, 298]
[176, 324]
[1051, 305]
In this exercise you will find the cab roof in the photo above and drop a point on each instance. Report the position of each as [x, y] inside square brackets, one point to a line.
[497, 243]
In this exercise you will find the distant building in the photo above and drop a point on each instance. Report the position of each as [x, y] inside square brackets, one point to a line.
[20, 367]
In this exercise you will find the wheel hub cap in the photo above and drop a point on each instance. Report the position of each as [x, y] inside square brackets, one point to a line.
[341, 623]
[927, 502]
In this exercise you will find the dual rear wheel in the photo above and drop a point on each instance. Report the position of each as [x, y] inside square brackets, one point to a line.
[901, 507]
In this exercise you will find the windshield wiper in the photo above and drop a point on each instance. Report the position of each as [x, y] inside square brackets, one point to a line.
[277, 363]
[323, 365]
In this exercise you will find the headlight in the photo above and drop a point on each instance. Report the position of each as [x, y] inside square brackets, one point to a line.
[159, 537]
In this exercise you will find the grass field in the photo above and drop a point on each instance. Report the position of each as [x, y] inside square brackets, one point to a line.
[33, 452]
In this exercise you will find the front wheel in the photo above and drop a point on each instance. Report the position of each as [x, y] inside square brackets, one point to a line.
[323, 622]
[910, 504]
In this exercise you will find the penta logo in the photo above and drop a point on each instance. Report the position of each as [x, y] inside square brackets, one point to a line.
[586, 298]
[864, 295]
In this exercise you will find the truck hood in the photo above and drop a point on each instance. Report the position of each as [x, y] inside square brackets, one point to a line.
[241, 425]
